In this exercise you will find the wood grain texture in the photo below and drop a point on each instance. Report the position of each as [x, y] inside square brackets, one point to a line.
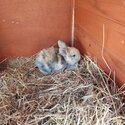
[26, 26]
[90, 16]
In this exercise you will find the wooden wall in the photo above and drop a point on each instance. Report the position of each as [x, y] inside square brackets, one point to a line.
[90, 16]
[26, 26]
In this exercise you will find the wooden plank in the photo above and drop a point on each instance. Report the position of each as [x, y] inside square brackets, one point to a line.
[114, 33]
[111, 9]
[87, 46]
[26, 26]
[89, 21]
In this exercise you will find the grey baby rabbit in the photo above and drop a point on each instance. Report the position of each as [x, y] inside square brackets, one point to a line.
[48, 61]
[71, 55]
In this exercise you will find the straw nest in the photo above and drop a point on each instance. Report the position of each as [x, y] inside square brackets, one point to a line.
[86, 96]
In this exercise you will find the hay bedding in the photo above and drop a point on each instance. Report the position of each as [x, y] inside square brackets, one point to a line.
[83, 97]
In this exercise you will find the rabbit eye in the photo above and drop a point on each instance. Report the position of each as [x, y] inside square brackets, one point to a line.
[74, 55]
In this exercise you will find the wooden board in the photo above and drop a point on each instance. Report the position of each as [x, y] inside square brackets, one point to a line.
[90, 17]
[26, 26]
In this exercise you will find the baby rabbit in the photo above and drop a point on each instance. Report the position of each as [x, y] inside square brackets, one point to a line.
[71, 55]
[48, 61]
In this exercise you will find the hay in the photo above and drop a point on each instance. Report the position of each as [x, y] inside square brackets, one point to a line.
[83, 97]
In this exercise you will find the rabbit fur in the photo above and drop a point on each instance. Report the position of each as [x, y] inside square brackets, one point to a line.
[53, 59]
[48, 61]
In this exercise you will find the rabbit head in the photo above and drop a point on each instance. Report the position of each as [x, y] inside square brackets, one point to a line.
[70, 54]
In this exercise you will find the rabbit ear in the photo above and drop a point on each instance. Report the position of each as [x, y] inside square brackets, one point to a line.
[63, 51]
[61, 44]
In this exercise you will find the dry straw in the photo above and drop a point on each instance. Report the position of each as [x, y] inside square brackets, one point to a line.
[85, 96]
